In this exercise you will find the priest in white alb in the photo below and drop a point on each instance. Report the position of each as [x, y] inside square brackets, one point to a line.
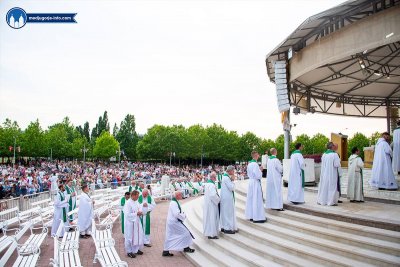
[228, 212]
[396, 149]
[177, 235]
[70, 190]
[382, 175]
[85, 213]
[148, 205]
[254, 203]
[211, 208]
[296, 176]
[328, 194]
[133, 230]
[124, 199]
[274, 199]
[355, 177]
[60, 211]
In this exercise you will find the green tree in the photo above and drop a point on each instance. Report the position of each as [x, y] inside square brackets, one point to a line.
[152, 145]
[197, 141]
[306, 142]
[216, 148]
[318, 143]
[265, 145]
[33, 141]
[106, 146]
[360, 141]
[248, 142]
[84, 131]
[374, 138]
[126, 136]
[279, 145]
[8, 132]
[102, 125]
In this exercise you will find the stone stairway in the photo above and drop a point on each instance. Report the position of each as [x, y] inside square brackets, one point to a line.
[292, 239]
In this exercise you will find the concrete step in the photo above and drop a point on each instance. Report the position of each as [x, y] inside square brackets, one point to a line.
[344, 252]
[372, 232]
[228, 253]
[205, 254]
[199, 258]
[286, 248]
[354, 228]
[351, 252]
[256, 245]
[275, 217]
[342, 214]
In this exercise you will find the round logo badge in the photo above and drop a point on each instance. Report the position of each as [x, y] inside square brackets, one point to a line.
[16, 18]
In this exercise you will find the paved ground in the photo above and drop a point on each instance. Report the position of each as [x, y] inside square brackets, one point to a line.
[151, 257]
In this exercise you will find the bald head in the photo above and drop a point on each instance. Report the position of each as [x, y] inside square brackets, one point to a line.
[213, 176]
[178, 195]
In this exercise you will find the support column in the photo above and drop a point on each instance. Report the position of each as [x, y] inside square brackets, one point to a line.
[388, 115]
[287, 139]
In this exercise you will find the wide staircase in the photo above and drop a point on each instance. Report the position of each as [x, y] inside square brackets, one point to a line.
[291, 238]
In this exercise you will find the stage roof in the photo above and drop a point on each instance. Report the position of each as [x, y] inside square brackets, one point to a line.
[345, 60]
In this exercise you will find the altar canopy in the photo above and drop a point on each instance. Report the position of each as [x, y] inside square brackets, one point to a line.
[345, 60]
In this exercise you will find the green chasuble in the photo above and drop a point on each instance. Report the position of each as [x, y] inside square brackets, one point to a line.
[64, 217]
[362, 178]
[302, 170]
[179, 206]
[195, 191]
[70, 190]
[219, 180]
[122, 213]
[149, 200]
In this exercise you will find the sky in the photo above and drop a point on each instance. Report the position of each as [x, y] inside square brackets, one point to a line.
[166, 62]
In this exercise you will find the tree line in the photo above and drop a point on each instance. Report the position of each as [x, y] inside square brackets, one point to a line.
[192, 144]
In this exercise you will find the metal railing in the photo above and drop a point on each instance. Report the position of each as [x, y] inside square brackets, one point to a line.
[25, 202]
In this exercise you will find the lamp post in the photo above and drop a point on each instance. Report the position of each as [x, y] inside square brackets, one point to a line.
[15, 141]
[202, 154]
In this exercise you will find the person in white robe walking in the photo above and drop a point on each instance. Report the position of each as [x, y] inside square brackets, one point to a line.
[177, 235]
[274, 199]
[54, 184]
[382, 175]
[296, 176]
[396, 149]
[254, 202]
[211, 208]
[228, 212]
[355, 177]
[124, 199]
[60, 211]
[70, 190]
[148, 205]
[133, 229]
[328, 193]
[85, 213]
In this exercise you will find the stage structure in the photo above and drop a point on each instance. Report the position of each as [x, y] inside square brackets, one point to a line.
[344, 61]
